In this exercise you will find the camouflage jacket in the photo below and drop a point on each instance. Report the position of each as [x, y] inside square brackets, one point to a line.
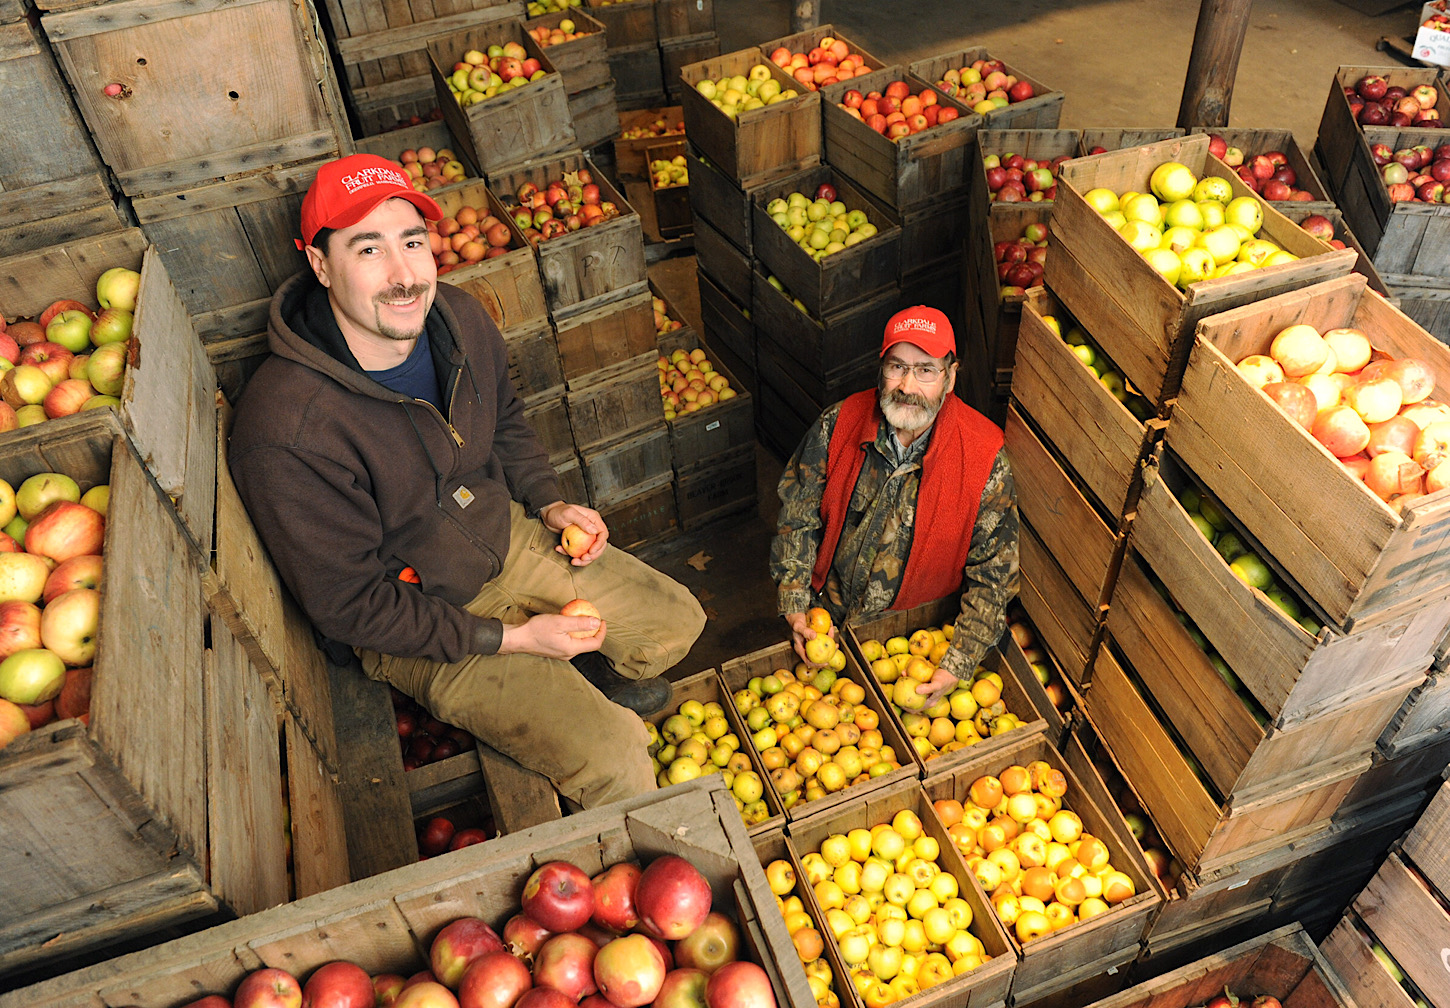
[876, 540]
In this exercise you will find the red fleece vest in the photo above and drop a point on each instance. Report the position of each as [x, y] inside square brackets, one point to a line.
[958, 462]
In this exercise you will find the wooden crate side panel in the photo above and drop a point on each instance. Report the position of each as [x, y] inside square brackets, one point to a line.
[677, 18]
[319, 826]
[246, 803]
[49, 142]
[1424, 718]
[722, 261]
[550, 420]
[649, 516]
[679, 53]
[1404, 915]
[627, 23]
[595, 114]
[621, 405]
[606, 336]
[1425, 843]
[54, 224]
[717, 487]
[616, 471]
[638, 73]
[1068, 625]
[534, 361]
[1117, 138]
[1360, 969]
[719, 201]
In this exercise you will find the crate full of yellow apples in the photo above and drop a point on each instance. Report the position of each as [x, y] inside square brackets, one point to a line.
[808, 933]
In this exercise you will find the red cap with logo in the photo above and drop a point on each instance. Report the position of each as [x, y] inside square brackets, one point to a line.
[346, 190]
[921, 326]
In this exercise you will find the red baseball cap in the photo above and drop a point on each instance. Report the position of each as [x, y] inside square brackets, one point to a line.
[921, 326]
[346, 190]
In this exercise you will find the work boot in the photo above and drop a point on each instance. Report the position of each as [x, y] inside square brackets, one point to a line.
[643, 696]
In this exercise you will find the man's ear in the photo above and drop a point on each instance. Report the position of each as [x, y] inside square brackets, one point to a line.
[318, 262]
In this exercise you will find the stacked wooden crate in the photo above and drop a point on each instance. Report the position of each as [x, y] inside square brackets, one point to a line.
[687, 35]
[118, 841]
[384, 66]
[582, 64]
[1409, 242]
[633, 40]
[1389, 946]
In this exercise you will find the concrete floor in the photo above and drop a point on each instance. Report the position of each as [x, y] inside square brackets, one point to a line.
[1121, 63]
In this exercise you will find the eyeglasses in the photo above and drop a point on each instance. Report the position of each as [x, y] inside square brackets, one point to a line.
[926, 374]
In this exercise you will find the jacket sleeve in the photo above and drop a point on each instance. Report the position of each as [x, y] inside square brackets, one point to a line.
[989, 581]
[799, 531]
[324, 533]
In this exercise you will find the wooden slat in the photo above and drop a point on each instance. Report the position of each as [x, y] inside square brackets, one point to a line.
[413, 37]
[1361, 970]
[1404, 915]
[623, 402]
[518, 798]
[49, 141]
[615, 471]
[1425, 844]
[605, 336]
[319, 826]
[1068, 625]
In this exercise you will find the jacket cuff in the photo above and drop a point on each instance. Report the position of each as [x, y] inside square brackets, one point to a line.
[955, 662]
[793, 600]
[487, 637]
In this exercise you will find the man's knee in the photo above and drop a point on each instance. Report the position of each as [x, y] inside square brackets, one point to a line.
[621, 767]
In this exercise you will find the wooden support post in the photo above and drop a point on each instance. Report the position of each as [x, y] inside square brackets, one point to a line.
[1217, 42]
[517, 797]
[805, 15]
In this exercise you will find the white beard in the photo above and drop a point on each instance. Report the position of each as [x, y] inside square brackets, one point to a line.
[909, 417]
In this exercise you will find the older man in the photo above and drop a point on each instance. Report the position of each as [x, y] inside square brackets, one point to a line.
[898, 496]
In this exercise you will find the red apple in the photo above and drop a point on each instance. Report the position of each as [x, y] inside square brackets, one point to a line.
[427, 994]
[546, 997]
[494, 980]
[338, 985]
[436, 833]
[566, 963]
[614, 890]
[458, 944]
[13, 722]
[65, 529]
[69, 624]
[1398, 433]
[629, 971]
[386, 988]
[74, 700]
[1394, 474]
[20, 626]
[683, 988]
[711, 945]
[268, 988]
[739, 985]
[1414, 377]
[672, 898]
[464, 837]
[524, 936]
[67, 397]
[558, 894]
[1341, 430]
[40, 714]
[1294, 399]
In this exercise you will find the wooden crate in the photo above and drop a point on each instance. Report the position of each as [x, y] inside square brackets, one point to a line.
[1000, 314]
[1401, 909]
[629, 163]
[681, 52]
[702, 437]
[716, 199]
[619, 401]
[616, 470]
[1283, 963]
[844, 278]
[1292, 674]
[723, 262]
[526, 122]
[228, 245]
[782, 412]
[1143, 322]
[571, 479]
[686, 337]
[626, 22]
[805, 41]
[934, 238]
[1242, 447]
[647, 518]
[1242, 757]
[382, 923]
[1021, 699]
[1327, 878]
[1423, 719]
[351, 19]
[1050, 500]
[508, 285]
[1348, 951]
[678, 19]
[595, 115]
[549, 417]
[639, 80]
[986, 985]
[387, 107]
[762, 144]
[1068, 626]
[580, 62]
[1408, 777]
[672, 202]
[534, 360]
[1023, 671]
[187, 118]
[1037, 144]
[1260, 141]
[586, 268]
[1100, 440]
[739, 671]
[1042, 111]
[1424, 844]
[436, 134]
[728, 327]
[110, 836]
[1117, 138]
[1424, 299]
[1047, 964]
[816, 391]
[812, 347]
[908, 173]
[1362, 263]
[168, 401]
[770, 846]
[606, 336]
[1204, 831]
[717, 487]
[52, 182]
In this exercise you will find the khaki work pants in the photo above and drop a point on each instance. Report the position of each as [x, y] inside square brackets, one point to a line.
[541, 711]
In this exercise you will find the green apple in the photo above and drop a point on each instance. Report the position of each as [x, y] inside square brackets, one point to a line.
[1141, 235]
[1214, 188]
[1179, 239]
[1222, 243]
[1144, 207]
[1101, 200]
[1212, 213]
[1172, 181]
[1183, 213]
[1252, 571]
[1247, 212]
[1196, 264]
[1166, 262]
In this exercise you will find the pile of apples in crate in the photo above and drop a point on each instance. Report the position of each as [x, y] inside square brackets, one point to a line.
[774, 281]
[1096, 361]
[972, 710]
[1374, 101]
[1037, 658]
[1414, 174]
[50, 600]
[827, 63]
[689, 382]
[471, 235]
[1190, 229]
[538, 8]
[734, 95]
[1020, 260]
[1028, 850]
[897, 112]
[566, 204]
[804, 934]
[70, 358]
[432, 169]
[985, 86]
[1012, 178]
[696, 741]
[897, 917]
[1371, 412]
[656, 127]
[822, 226]
[423, 737]
[626, 938]
[481, 75]
[1267, 174]
[563, 32]
[669, 173]
[440, 835]
[812, 728]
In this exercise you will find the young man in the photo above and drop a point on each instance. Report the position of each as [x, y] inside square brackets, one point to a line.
[889, 515]
[385, 459]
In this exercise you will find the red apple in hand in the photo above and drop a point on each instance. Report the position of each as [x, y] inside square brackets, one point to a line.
[338, 985]
[576, 541]
[457, 945]
[268, 988]
[672, 898]
[558, 894]
[582, 607]
[613, 895]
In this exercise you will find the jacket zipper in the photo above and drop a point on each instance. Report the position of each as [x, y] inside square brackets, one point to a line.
[452, 395]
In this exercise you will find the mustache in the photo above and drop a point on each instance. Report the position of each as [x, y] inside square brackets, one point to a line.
[403, 293]
[899, 398]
